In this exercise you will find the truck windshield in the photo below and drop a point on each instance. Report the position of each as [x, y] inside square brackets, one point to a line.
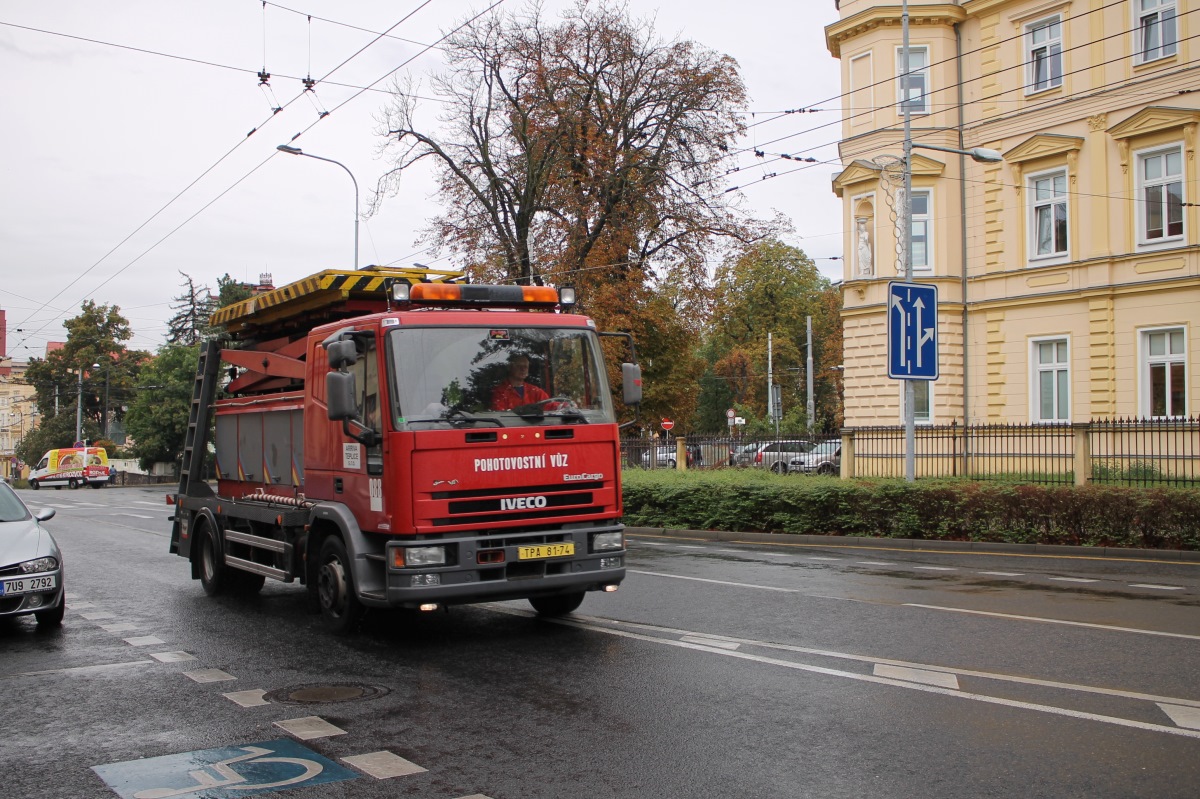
[497, 376]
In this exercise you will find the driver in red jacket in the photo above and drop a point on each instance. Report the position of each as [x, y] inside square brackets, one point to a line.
[516, 389]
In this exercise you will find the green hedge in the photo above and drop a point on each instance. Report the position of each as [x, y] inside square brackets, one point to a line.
[752, 500]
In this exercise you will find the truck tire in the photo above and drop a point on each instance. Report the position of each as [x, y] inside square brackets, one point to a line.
[73, 484]
[33, 484]
[335, 588]
[559, 605]
[214, 574]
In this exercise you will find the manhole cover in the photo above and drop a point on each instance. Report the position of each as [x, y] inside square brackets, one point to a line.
[322, 693]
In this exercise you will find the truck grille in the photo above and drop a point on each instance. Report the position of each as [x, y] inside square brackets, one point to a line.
[522, 503]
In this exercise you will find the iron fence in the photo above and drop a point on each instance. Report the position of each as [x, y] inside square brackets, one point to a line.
[1145, 452]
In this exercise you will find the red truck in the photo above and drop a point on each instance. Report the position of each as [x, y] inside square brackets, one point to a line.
[368, 444]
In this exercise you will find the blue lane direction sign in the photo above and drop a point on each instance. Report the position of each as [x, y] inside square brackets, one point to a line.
[912, 315]
[232, 771]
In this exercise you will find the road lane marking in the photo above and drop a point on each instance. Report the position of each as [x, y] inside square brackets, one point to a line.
[172, 657]
[1004, 574]
[1109, 627]
[96, 615]
[310, 727]
[718, 582]
[145, 640]
[118, 628]
[937, 568]
[134, 515]
[1157, 587]
[688, 546]
[923, 676]
[383, 765]
[84, 670]
[717, 642]
[870, 659]
[253, 698]
[1183, 716]
[1073, 580]
[874, 563]
[818, 557]
[208, 675]
[871, 678]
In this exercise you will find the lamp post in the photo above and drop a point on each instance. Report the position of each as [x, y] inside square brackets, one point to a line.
[283, 148]
[79, 408]
[104, 414]
[981, 154]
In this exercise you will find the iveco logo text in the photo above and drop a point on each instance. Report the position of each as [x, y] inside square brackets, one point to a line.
[522, 503]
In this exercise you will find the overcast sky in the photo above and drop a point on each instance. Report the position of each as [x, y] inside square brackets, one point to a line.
[98, 139]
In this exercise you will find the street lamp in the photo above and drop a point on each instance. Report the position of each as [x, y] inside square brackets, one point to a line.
[79, 408]
[104, 415]
[283, 148]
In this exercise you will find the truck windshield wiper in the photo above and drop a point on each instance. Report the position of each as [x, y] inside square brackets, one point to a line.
[458, 416]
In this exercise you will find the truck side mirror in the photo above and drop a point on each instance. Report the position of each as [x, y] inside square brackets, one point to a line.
[341, 353]
[631, 383]
[340, 393]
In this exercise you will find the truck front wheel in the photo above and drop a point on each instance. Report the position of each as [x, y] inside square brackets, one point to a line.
[335, 588]
[559, 605]
[214, 574]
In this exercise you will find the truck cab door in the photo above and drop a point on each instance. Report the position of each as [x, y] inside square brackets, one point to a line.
[363, 470]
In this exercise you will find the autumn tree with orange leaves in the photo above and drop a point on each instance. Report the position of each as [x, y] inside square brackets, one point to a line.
[585, 151]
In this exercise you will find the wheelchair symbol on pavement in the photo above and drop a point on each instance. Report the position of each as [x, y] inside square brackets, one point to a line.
[229, 778]
[224, 773]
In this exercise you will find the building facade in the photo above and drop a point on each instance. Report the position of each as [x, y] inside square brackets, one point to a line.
[1068, 274]
[18, 413]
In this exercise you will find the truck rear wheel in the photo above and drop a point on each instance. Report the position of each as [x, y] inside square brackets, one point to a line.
[335, 588]
[214, 574]
[559, 605]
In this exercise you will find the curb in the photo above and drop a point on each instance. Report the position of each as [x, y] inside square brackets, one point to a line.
[845, 542]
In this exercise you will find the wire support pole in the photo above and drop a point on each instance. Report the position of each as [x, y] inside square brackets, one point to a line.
[910, 411]
[297, 151]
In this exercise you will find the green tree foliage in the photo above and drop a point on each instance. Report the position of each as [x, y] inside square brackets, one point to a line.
[158, 418]
[55, 432]
[95, 345]
[771, 287]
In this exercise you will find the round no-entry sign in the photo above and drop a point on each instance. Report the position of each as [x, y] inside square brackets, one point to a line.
[729, 414]
[667, 424]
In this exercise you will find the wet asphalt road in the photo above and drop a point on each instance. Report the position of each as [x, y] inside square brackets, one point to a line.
[718, 670]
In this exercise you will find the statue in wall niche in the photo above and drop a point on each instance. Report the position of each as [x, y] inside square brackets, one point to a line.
[862, 238]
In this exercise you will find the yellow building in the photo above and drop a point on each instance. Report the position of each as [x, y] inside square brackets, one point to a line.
[17, 412]
[1068, 274]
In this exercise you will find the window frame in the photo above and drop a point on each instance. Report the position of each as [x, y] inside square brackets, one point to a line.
[1146, 362]
[1142, 206]
[1037, 369]
[927, 218]
[1053, 82]
[1055, 256]
[917, 418]
[923, 72]
[1140, 18]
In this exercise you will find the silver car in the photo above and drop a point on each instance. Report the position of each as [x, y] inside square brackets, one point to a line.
[775, 455]
[31, 566]
[825, 458]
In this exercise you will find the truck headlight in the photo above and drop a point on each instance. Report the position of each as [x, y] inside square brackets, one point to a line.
[604, 542]
[403, 557]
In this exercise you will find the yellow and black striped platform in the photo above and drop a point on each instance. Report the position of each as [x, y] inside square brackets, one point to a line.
[322, 291]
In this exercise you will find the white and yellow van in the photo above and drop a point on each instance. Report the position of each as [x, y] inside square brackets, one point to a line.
[72, 467]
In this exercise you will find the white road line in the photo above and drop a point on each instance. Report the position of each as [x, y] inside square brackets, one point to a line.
[1157, 587]
[936, 568]
[145, 640]
[209, 675]
[818, 557]
[154, 504]
[912, 686]
[590, 622]
[1109, 627]
[134, 515]
[874, 563]
[309, 727]
[717, 642]
[1004, 574]
[1073, 580]
[718, 582]
[1183, 716]
[172, 657]
[688, 546]
[383, 765]
[923, 676]
[96, 615]
[774, 554]
[84, 670]
[737, 551]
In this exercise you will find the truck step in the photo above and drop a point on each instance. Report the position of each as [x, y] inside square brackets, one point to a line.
[258, 568]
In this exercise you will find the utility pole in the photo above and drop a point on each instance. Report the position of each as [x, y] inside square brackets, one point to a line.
[910, 412]
[808, 374]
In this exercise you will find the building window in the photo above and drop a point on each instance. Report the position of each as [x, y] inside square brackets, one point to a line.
[1164, 372]
[1044, 55]
[1051, 380]
[922, 401]
[1048, 225]
[1160, 179]
[918, 80]
[921, 233]
[1156, 29]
